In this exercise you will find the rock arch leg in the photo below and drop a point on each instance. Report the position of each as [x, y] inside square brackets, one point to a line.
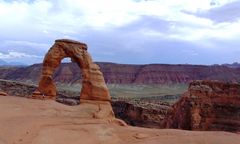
[52, 60]
[93, 85]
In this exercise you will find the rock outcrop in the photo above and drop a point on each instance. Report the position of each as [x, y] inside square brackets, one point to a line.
[94, 96]
[208, 105]
[93, 84]
[3, 93]
[139, 115]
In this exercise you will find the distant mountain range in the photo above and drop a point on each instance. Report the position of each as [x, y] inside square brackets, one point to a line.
[233, 65]
[4, 63]
[130, 74]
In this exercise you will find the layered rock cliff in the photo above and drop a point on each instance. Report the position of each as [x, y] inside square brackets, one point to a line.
[143, 114]
[208, 105]
[130, 74]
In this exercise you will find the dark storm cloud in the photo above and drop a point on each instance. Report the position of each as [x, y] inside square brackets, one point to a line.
[150, 22]
[119, 35]
[227, 13]
[128, 45]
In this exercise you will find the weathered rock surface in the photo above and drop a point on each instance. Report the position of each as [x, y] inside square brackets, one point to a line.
[130, 74]
[94, 91]
[28, 121]
[3, 93]
[140, 115]
[93, 84]
[68, 101]
[208, 105]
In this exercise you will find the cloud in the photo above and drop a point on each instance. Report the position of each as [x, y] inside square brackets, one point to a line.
[16, 55]
[19, 57]
[33, 48]
[129, 31]
[226, 13]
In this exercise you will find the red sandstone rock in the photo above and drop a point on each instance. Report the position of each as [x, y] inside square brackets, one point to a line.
[27, 121]
[137, 115]
[208, 105]
[93, 84]
[3, 93]
[94, 92]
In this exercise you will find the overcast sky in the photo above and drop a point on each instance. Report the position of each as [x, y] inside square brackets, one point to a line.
[124, 31]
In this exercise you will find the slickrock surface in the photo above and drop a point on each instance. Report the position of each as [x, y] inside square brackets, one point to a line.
[208, 105]
[28, 121]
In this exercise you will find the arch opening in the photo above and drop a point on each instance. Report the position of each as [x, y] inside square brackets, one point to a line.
[68, 80]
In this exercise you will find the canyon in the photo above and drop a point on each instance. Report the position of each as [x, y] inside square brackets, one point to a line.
[205, 106]
[211, 102]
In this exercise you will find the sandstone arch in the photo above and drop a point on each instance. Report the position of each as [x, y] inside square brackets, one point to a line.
[93, 84]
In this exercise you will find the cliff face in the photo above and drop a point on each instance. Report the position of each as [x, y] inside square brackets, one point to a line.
[208, 105]
[137, 115]
[6, 71]
[31, 73]
[131, 74]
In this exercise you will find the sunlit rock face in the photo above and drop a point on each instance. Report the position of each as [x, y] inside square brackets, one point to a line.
[3, 93]
[93, 84]
[208, 105]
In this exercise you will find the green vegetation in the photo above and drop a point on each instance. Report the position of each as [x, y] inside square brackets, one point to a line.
[69, 90]
[165, 93]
